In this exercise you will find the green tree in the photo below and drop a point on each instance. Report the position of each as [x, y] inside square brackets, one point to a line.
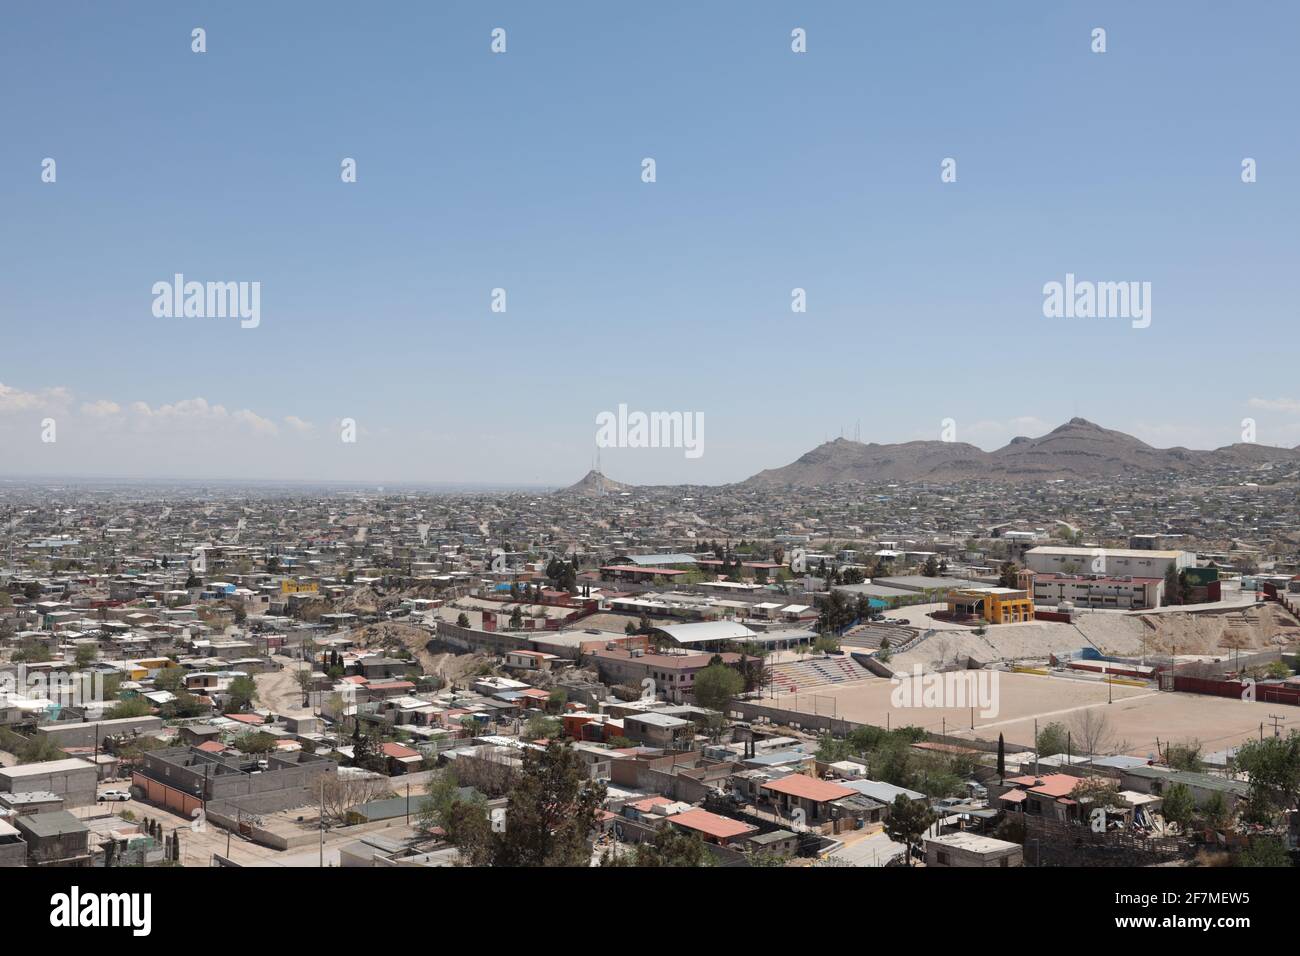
[541, 726]
[1053, 739]
[242, 691]
[1264, 851]
[39, 748]
[836, 612]
[1179, 805]
[441, 791]
[908, 821]
[716, 685]
[1273, 764]
[551, 815]
[135, 707]
[1216, 813]
[1007, 574]
[467, 828]
[1185, 756]
[670, 847]
[185, 705]
[1173, 586]
[255, 742]
[825, 644]
[169, 679]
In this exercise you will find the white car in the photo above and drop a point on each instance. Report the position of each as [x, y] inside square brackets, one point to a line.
[115, 795]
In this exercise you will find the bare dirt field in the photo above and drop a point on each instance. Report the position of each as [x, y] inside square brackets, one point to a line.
[1110, 632]
[1137, 717]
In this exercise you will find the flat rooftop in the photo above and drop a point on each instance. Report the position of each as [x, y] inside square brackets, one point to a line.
[49, 766]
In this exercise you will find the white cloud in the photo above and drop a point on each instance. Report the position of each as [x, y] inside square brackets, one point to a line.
[101, 409]
[297, 424]
[47, 399]
[194, 412]
[1289, 405]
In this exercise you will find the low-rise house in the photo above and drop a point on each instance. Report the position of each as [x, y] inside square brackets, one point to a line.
[659, 730]
[401, 759]
[796, 796]
[13, 849]
[530, 660]
[72, 780]
[1203, 786]
[711, 827]
[961, 849]
[55, 838]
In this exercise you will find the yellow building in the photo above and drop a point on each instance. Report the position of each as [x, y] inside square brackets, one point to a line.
[299, 587]
[995, 605]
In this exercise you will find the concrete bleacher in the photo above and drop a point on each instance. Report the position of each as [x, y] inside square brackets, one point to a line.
[812, 672]
[869, 636]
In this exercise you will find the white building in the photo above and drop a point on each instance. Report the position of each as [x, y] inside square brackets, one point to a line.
[1114, 562]
[1099, 591]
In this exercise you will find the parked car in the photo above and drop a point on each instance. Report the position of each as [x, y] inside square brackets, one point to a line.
[114, 795]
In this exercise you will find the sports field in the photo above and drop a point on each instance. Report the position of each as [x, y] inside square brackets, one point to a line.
[1137, 717]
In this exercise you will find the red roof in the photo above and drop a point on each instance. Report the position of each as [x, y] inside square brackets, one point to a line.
[721, 828]
[211, 747]
[645, 805]
[1049, 785]
[398, 751]
[799, 785]
[247, 718]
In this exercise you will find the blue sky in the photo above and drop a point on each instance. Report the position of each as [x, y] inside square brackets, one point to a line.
[522, 171]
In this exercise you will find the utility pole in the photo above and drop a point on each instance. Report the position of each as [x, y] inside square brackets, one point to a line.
[1277, 719]
[1035, 746]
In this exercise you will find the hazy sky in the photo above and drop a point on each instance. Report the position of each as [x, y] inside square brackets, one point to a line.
[523, 171]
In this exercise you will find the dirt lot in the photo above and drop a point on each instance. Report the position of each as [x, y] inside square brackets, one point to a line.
[1111, 632]
[1255, 628]
[198, 846]
[1138, 715]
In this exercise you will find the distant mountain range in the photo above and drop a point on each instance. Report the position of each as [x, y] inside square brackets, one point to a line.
[1077, 449]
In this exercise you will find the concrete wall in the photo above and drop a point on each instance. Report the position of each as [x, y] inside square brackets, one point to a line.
[13, 853]
[92, 733]
[75, 785]
[749, 710]
[196, 773]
